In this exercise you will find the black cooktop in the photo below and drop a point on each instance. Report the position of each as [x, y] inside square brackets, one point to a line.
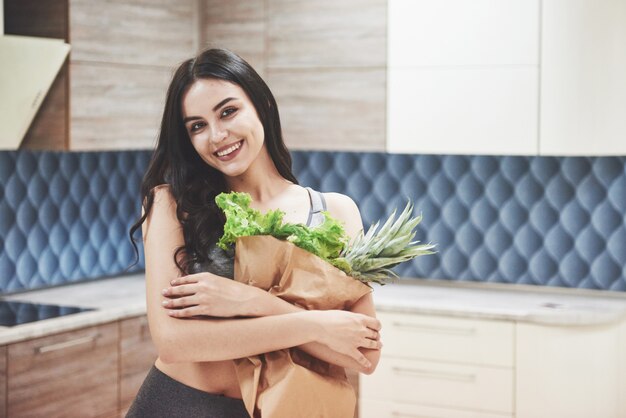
[16, 313]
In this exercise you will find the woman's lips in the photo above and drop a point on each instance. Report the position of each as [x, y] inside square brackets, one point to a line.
[232, 154]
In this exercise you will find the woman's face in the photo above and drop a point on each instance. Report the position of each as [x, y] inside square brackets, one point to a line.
[223, 125]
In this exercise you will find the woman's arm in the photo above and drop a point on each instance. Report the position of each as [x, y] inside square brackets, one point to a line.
[222, 339]
[251, 301]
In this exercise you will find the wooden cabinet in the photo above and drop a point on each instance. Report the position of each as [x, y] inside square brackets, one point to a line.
[64, 375]
[3, 381]
[137, 355]
[90, 372]
[110, 94]
[441, 366]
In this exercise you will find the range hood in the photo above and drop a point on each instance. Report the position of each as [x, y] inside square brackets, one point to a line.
[28, 66]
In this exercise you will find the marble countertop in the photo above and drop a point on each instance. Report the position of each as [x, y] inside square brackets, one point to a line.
[113, 299]
[536, 304]
[124, 297]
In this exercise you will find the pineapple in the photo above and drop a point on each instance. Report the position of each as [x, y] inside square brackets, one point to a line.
[371, 256]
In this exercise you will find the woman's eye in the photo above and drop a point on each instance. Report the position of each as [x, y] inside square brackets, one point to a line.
[195, 126]
[229, 111]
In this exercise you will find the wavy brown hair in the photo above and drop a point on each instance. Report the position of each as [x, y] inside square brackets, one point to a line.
[175, 162]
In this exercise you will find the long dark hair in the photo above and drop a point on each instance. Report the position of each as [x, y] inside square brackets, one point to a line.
[192, 182]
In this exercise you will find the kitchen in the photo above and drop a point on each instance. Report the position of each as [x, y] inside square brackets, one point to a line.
[502, 121]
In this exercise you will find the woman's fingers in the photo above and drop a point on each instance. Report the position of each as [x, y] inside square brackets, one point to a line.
[180, 290]
[371, 344]
[361, 359]
[185, 313]
[372, 323]
[190, 278]
[180, 302]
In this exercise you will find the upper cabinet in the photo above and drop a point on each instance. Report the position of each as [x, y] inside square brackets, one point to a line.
[110, 94]
[515, 78]
[583, 77]
[462, 76]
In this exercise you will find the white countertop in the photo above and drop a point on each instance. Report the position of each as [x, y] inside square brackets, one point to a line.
[114, 299]
[536, 304]
[124, 297]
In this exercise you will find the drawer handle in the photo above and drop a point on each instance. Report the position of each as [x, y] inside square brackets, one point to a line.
[66, 344]
[404, 414]
[430, 374]
[436, 330]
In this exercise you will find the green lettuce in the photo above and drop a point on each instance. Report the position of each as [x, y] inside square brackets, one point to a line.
[326, 241]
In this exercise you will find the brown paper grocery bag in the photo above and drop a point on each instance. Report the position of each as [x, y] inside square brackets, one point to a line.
[291, 383]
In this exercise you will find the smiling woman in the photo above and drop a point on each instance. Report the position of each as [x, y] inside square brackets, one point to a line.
[221, 132]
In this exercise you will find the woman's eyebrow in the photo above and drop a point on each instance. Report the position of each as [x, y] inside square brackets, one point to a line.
[217, 106]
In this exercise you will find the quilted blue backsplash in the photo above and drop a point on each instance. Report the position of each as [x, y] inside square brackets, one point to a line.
[65, 216]
[556, 221]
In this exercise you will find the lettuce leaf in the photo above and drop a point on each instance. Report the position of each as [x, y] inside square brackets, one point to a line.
[327, 240]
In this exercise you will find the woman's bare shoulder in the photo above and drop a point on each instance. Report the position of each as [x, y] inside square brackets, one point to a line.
[342, 207]
[163, 191]
[340, 203]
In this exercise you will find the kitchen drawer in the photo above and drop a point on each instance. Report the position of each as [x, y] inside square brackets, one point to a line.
[72, 374]
[3, 381]
[385, 409]
[137, 355]
[440, 384]
[458, 340]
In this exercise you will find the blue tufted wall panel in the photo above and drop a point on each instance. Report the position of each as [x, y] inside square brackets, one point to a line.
[65, 216]
[529, 220]
[534, 220]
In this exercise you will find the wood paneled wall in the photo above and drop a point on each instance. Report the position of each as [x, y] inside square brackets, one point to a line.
[238, 25]
[123, 55]
[325, 62]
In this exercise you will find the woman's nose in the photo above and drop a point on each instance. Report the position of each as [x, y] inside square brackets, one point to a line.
[218, 133]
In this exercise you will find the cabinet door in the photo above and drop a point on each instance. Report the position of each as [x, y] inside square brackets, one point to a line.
[386, 409]
[583, 88]
[72, 374]
[447, 385]
[3, 381]
[569, 372]
[458, 340]
[137, 355]
[462, 77]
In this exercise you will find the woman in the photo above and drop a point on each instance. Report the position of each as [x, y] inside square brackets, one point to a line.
[221, 132]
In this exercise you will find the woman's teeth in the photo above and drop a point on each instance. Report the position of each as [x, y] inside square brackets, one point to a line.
[229, 150]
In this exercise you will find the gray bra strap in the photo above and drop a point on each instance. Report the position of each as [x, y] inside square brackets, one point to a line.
[318, 204]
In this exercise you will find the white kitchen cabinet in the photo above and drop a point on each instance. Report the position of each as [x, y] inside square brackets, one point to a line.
[583, 82]
[439, 366]
[571, 372]
[383, 409]
[462, 77]
[459, 367]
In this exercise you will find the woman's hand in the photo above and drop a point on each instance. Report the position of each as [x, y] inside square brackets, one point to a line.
[345, 332]
[209, 294]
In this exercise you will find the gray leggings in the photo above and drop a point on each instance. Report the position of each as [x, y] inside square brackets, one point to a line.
[162, 396]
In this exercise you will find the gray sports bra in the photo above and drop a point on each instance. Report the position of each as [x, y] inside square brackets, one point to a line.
[222, 262]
